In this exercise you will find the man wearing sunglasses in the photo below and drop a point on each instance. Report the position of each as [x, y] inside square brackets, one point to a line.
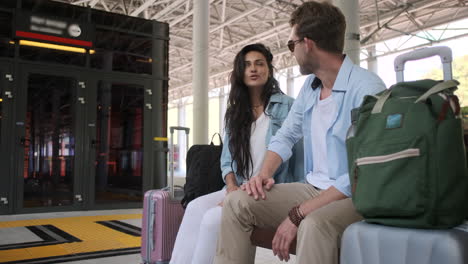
[316, 212]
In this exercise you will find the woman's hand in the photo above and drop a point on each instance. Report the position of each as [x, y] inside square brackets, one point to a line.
[230, 188]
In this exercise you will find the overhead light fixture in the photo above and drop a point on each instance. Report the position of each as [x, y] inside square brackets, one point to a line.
[53, 46]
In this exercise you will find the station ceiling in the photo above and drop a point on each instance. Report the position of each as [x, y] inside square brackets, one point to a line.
[235, 23]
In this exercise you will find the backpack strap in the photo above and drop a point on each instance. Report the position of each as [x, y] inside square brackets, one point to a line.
[381, 101]
[438, 88]
[435, 89]
[450, 102]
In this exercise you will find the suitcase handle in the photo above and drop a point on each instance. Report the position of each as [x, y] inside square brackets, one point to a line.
[445, 54]
[171, 155]
[186, 129]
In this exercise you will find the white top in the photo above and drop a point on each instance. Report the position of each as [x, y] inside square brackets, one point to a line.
[258, 147]
[322, 118]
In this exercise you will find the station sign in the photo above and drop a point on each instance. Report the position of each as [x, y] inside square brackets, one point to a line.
[53, 29]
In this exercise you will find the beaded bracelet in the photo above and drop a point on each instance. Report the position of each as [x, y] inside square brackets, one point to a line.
[295, 215]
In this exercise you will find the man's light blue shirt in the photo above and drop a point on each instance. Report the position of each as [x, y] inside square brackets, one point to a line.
[351, 85]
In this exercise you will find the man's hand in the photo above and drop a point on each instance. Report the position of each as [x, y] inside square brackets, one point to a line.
[285, 234]
[263, 179]
[255, 185]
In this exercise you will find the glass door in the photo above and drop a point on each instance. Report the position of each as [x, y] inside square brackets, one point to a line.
[6, 78]
[116, 130]
[118, 142]
[46, 127]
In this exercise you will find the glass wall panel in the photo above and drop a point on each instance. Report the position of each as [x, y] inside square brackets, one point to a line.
[7, 47]
[6, 19]
[8, 4]
[1, 107]
[52, 55]
[116, 51]
[119, 144]
[49, 142]
[4, 152]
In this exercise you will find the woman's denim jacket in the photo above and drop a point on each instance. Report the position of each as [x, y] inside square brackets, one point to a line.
[291, 170]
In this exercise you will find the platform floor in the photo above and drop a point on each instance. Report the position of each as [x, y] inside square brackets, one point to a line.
[82, 237]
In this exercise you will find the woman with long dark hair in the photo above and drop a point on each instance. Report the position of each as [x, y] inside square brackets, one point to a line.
[256, 110]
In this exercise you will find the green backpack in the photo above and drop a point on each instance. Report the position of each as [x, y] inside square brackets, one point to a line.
[406, 156]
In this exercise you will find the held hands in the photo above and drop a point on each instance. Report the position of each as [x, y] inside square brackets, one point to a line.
[255, 185]
[284, 235]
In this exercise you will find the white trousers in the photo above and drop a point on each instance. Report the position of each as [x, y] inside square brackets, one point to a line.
[198, 233]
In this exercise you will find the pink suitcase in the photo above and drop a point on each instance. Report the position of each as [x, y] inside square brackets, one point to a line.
[162, 215]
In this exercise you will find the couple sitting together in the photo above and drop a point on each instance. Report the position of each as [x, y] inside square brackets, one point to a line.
[284, 160]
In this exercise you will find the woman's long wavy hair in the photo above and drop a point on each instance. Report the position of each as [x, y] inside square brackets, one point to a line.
[239, 115]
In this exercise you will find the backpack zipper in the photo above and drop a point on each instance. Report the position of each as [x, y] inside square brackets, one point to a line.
[407, 153]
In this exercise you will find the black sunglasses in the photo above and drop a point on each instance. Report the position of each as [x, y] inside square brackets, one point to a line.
[292, 44]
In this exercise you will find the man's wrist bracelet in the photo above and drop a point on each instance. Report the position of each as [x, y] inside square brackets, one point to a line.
[300, 212]
[295, 215]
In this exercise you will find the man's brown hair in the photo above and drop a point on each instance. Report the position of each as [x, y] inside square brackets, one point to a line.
[323, 23]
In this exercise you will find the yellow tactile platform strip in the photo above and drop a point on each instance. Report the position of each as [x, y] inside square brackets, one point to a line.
[94, 237]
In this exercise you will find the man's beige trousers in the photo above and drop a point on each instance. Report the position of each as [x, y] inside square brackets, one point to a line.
[318, 236]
